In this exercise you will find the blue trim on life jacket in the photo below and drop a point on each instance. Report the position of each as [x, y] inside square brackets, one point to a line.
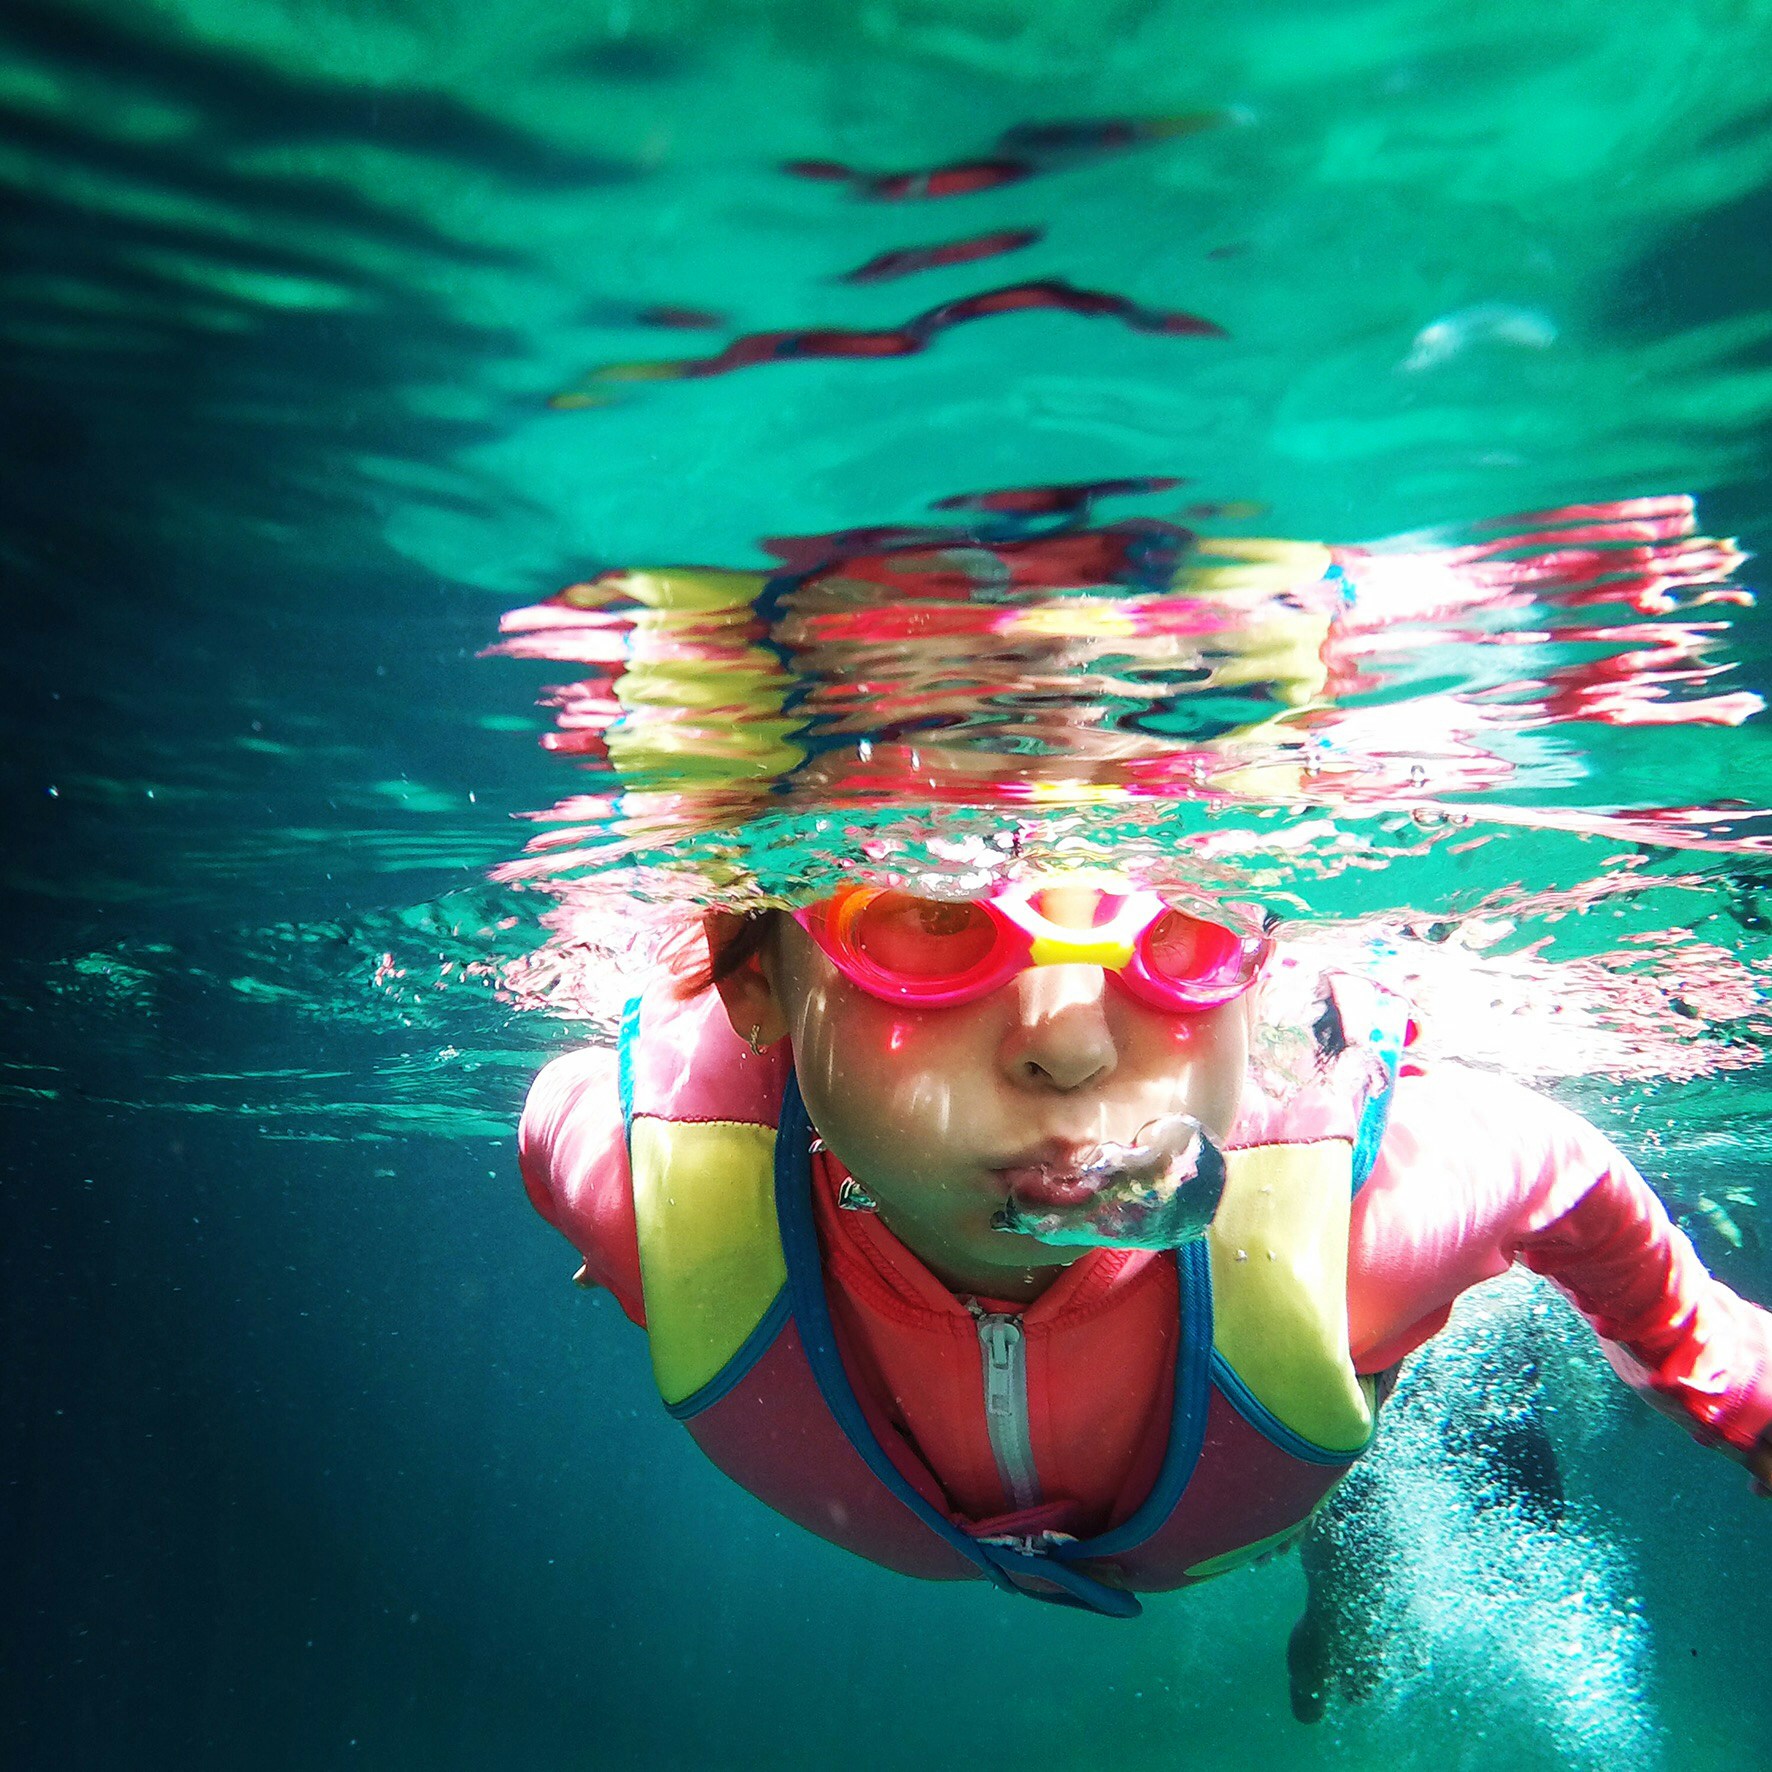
[1374, 1117]
[625, 1043]
[1187, 1422]
[1269, 1425]
[799, 1237]
[751, 1350]
[1386, 1040]
[1346, 589]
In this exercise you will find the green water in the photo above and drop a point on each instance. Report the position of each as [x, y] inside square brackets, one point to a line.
[317, 1459]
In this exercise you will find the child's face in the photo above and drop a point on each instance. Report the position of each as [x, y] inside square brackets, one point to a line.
[930, 1109]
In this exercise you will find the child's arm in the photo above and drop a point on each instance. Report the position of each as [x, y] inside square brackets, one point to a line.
[572, 1149]
[1476, 1173]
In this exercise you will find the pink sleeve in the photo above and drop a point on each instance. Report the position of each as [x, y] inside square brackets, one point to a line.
[1476, 1173]
[572, 1150]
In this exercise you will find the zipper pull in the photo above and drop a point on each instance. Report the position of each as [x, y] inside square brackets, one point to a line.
[1001, 1337]
[999, 1334]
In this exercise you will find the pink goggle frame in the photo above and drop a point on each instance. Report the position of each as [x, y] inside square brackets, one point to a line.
[934, 953]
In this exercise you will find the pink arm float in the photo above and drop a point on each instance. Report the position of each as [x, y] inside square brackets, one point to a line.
[573, 1155]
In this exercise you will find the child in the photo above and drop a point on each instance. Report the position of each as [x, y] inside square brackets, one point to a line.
[1065, 1240]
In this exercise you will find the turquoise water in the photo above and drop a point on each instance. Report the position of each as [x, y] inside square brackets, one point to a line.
[321, 326]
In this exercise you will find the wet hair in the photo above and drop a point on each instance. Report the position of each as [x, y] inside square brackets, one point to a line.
[700, 958]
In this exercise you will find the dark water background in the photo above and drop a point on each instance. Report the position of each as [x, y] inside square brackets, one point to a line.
[313, 1457]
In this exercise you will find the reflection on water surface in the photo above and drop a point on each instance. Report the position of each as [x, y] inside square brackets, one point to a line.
[1035, 657]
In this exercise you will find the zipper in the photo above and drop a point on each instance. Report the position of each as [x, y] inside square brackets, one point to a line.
[1030, 1544]
[1003, 1349]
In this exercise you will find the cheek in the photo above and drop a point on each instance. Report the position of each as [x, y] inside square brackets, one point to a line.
[890, 1129]
[884, 1093]
[1218, 1048]
[865, 1046]
[1211, 1050]
[848, 1051]
[895, 1074]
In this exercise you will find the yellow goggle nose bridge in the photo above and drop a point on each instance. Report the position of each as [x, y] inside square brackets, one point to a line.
[1109, 945]
[1082, 947]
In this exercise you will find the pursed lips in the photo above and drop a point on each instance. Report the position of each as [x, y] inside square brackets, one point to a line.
[1051, 1173]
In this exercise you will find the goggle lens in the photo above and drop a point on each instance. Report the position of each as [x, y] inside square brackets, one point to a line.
[1184, 950]
[925, 939]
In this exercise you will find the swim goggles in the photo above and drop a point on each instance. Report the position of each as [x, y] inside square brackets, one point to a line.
[933, 952]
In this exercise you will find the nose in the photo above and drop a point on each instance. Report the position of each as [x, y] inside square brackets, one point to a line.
[1058, 1037]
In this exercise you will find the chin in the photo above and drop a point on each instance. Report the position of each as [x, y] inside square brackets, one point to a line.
[1015, 1249]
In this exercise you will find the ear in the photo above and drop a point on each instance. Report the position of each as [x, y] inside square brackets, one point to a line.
[747, 992]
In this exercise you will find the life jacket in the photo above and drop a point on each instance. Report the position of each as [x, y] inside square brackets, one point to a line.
[1268, 1412]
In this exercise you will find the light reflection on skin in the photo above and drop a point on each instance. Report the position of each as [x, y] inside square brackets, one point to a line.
[924, 1106]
